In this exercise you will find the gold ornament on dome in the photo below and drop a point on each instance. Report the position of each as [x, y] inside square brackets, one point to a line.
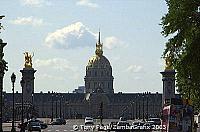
[99, 47]
[28, 60]
[99, 50]
[168, 63]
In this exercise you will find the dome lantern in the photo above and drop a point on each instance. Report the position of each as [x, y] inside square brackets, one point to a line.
[99, 47]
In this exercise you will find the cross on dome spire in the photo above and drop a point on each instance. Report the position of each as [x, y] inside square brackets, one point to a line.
[99, 37]
[99, 47]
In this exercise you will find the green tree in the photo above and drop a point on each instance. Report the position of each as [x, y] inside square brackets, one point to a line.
[181, 25]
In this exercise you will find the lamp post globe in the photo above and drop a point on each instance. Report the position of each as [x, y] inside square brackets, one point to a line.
[13, 78]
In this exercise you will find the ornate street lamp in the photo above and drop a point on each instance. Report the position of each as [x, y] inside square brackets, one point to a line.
[56, 106]
[52, 106]
[22, 82]
[143, 106]
[66, 114]
[139, 103]
[133, 113]
[101, 112]
[136, 109]
[42, 104]
[61, 105]
[190, 82]
[32, 110]
[13, 78]
[147, 98]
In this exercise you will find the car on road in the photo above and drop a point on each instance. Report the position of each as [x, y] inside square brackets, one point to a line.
[89, 121]
[34, 126]
[42, 124]
[59, 121]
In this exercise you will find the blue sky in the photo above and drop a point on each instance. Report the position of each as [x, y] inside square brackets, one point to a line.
[62, 35]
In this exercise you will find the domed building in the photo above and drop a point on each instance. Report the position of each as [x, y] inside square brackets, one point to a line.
[99, 72]
[98, 100]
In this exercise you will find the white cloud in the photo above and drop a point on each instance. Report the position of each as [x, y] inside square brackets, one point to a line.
[137, 78]
[35, 3]
[74, 35]
[51, 77]
[134, 68]
[87, 3]
[78, 35]
[56, 63]
[112, 42]
[28, 21]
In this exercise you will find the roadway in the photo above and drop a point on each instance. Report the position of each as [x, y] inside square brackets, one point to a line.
[71, 125]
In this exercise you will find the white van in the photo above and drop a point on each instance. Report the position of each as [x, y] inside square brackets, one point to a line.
[89, 120]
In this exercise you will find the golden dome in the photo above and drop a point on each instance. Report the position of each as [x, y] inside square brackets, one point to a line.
[99, 72]
[98, 61]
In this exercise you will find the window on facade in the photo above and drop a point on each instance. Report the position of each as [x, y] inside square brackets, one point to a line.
[95, 73]
[89, 73]
[102, 73]
[95, 84]
[102, 84]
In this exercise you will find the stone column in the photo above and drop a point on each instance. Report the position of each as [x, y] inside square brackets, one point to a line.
[168, 78]
[3, 68]
[28, 89]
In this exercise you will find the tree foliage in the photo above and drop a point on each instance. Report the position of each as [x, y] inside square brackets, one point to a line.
[182, 25]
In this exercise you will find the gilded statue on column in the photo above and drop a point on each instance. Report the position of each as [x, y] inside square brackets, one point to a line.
[28, 60]
[168, 63]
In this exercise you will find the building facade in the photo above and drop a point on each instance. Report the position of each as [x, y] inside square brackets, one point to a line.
[80, 105]
[98, 99]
